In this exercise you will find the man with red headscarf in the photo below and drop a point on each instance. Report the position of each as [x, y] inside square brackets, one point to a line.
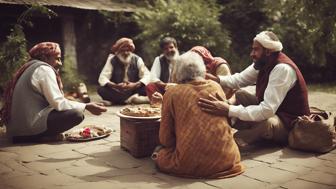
[124, 74]
[215, 66]
[35, 107]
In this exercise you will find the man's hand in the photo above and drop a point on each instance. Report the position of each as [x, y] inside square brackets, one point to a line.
[95, 108]
[131, 86]
[121, 86]
[157, 99]
[212, 77]
[216, 105]
[115, 86]
[161, 84]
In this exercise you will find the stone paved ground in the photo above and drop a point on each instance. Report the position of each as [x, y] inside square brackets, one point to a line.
[102, 164]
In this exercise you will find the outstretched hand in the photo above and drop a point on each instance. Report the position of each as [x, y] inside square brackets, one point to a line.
[215, 105]
[157, 99]
[95, 108]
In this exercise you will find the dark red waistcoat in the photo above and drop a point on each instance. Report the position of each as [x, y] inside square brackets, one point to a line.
[295, 102]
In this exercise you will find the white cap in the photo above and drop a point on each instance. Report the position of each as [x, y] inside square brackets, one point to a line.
[267, 42]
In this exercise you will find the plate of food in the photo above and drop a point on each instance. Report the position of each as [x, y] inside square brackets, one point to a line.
[140, 112]
[87, 133]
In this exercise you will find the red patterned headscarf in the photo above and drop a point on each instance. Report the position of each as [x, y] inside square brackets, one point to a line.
[41, 51]
[44, 50]
[123, 44]
[210, 62]
[204, 53]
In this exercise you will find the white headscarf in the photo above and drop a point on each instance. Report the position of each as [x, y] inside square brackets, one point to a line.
[267, 42]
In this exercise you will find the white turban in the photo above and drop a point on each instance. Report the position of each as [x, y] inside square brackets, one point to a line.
[267, 42]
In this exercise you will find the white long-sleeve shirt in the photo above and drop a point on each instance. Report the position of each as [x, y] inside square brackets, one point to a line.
[107, 71]
[44, 81]
[156, 70]
[281, 79]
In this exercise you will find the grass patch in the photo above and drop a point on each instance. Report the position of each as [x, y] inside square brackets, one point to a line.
[323, 87]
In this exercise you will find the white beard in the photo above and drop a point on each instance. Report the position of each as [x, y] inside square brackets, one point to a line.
[124, 60]
[172, 58]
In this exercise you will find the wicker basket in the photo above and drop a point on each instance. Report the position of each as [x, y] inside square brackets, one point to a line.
[139, 137]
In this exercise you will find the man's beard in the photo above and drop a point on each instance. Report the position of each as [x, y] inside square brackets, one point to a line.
[57, 66]
[260, 63]
[124, 59]
[172, 56]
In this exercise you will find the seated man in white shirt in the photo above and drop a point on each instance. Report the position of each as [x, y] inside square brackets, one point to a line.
[35, 107]
[124, 74]
[281, 94]
[162, 67]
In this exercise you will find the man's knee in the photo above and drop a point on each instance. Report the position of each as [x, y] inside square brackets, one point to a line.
[76, 116]
[60, 121]
[273, 129]
[106, 93]
[245, 98]
[101, 91]
[266, 127]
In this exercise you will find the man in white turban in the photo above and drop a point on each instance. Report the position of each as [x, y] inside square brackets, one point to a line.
[281, 94]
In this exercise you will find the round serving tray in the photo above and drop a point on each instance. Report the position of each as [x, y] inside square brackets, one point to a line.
[135, 117]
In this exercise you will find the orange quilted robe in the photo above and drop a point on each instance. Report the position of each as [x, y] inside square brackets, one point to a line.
[196, 144]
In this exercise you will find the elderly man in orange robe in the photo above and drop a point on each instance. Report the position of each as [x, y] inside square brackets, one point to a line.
[124, 74]
[195, 144]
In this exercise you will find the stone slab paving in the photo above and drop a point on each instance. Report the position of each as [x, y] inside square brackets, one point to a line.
[103, 164]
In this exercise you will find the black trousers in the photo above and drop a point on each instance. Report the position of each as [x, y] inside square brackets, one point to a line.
[118, 97]
[57, 122]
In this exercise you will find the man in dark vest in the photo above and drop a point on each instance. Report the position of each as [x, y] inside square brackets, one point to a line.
[281, 94]
[162, 67]
[35, 108]
[124, 75]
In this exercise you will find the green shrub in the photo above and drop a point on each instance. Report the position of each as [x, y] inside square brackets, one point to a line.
[70, 76]
[13, 53]
[308, 30]
[189, 23]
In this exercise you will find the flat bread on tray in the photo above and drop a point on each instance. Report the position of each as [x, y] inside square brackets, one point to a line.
[140, 112]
